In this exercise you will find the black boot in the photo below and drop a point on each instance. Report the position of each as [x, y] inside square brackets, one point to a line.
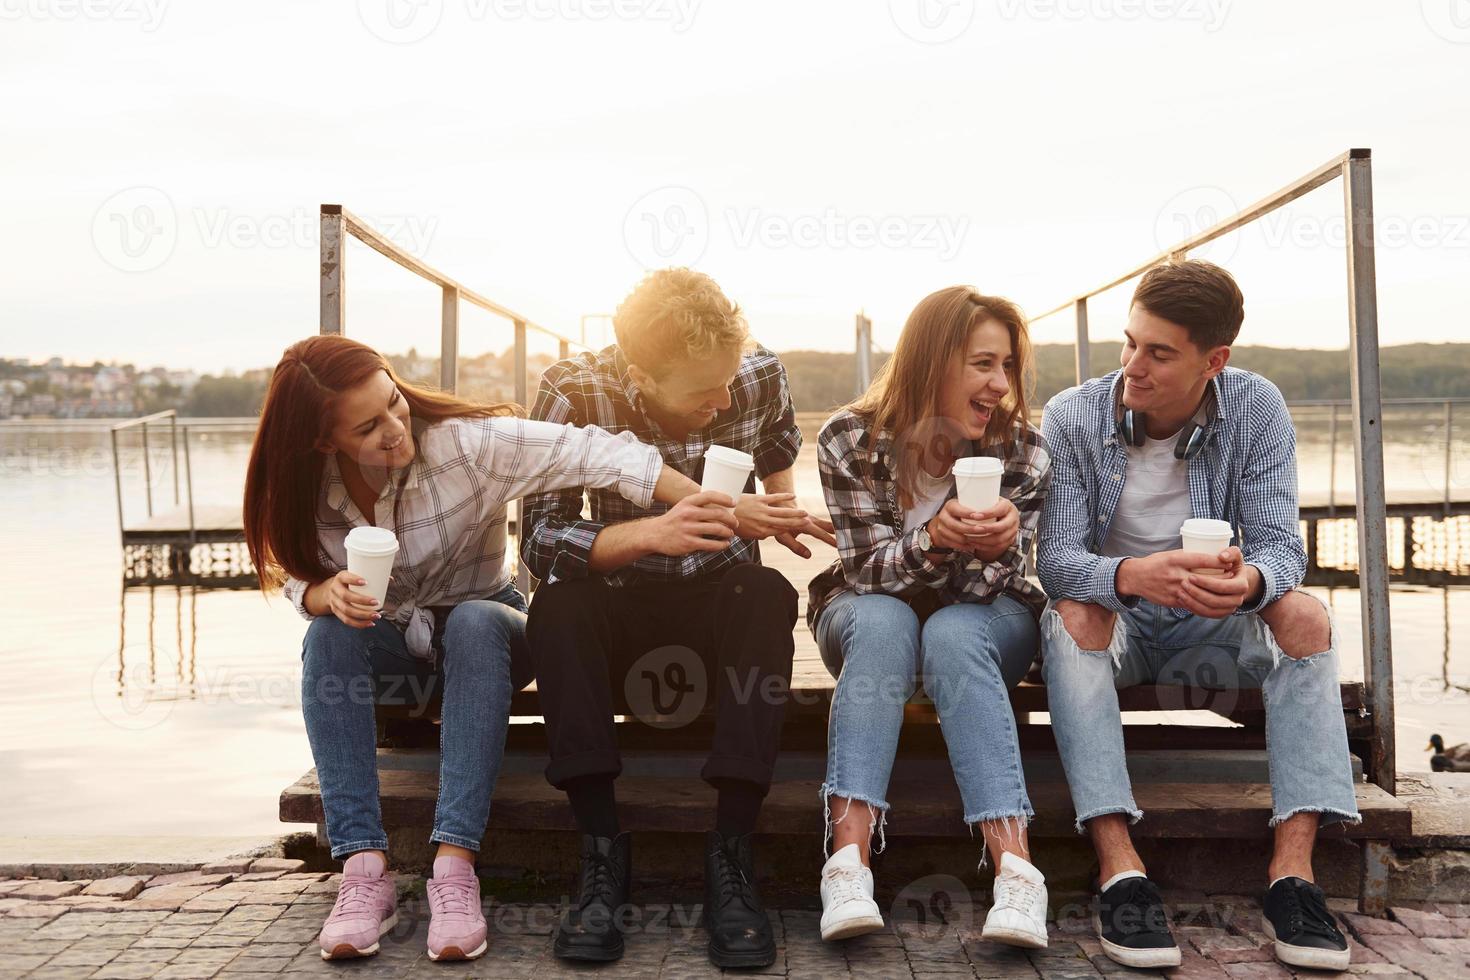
[739, 932]
[590, 929]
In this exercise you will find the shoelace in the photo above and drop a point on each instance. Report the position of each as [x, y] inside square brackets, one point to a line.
[1307, 913]
[1143, 894]
[733, 883]
[355, 895]
[846, 885]
[452, 895]
[1018, 893]
[599, 878]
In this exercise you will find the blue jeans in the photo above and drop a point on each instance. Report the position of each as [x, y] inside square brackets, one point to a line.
[967, 656]
[1306, 738]
[346, 671]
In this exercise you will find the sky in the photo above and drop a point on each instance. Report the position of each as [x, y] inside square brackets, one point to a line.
[164, 162]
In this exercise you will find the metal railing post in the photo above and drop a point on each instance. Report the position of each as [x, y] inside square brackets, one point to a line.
[333, 276]
[1332, 464]
[147, 471]
[522, 377]
[1449, 443]
[189, 480]
[117, 485]
[1367, 422]
[173, 445]
[1084, 351]
[449, 340]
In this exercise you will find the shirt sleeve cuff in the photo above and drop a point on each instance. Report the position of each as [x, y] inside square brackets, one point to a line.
[641, 471]
[295, 592]
[1105, 586]
[918, 561]
[573, 550]
[1269, 593]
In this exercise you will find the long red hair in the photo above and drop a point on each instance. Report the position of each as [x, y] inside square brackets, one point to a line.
[284, 477]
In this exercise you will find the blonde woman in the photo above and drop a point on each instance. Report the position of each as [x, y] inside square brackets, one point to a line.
[929, 591]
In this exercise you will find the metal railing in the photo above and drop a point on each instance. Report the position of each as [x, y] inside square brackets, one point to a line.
[338, 224]
[1355, 167]
[178, 434]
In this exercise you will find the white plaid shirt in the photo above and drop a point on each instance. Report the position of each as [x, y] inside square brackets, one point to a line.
[450, 515]
[1245, 475]
[596, 389]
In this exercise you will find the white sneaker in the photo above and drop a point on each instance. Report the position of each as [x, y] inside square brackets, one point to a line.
[848, 908]
[1018, 917]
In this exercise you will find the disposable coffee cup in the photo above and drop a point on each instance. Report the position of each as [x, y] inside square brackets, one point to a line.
[370, 553]
[727, 470]
[977, 481]
[1207, 537]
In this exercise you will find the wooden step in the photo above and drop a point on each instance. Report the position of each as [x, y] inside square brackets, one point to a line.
[664, 796]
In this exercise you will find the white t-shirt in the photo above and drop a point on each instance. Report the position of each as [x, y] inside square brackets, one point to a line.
[929, 495]
[1154, 504]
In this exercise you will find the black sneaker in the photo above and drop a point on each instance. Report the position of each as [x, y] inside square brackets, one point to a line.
[1134, 929]
[1297, 918]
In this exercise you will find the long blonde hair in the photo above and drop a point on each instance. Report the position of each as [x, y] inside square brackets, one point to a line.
[903, 399]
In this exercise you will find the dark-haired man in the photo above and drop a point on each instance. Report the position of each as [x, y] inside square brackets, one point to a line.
[1174, 435]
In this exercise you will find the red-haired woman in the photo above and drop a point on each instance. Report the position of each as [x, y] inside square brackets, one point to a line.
[342, 443]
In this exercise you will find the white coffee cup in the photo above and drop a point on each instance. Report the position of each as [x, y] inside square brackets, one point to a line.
[1208, 537]
[977, 481]
[726, 470]
[370, 553]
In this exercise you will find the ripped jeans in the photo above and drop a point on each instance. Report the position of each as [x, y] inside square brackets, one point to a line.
[967, 656]
[1306, 738]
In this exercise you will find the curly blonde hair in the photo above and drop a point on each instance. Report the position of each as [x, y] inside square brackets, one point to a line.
[677, 315]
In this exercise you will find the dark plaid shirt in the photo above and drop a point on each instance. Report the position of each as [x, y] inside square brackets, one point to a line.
[596, 389]
[877, 554]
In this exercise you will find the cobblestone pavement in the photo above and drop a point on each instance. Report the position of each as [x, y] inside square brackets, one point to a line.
[254, 919]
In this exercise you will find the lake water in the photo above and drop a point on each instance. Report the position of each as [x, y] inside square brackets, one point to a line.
[177, 711]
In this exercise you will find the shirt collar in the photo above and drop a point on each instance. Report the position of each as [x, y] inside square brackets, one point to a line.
[335, 487]
[1211, 409]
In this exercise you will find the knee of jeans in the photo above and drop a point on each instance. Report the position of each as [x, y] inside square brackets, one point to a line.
[482, 628]
[1300, 605]
[1060, 650]
[331, 646]
[879, 639]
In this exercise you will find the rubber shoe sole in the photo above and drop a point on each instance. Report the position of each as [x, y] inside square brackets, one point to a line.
[1310, 957]
[1013, 937]
[858, 925]
[1141, 959]
[347, 951]
[455, 953]
[587, 954]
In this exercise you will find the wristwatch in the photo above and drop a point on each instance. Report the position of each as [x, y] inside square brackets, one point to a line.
[926, 543]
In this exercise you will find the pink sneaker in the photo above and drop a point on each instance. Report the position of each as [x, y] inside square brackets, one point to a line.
[367, 907]
[456, 924]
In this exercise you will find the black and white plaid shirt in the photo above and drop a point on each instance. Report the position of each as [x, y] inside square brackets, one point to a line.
[877, 554]
[594, 388]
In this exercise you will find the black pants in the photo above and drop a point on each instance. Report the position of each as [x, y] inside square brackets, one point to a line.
[662, 652]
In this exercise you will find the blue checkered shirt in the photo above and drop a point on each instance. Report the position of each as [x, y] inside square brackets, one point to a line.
[1246, 475]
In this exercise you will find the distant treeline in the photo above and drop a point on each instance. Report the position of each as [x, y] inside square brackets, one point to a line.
[822, 380]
